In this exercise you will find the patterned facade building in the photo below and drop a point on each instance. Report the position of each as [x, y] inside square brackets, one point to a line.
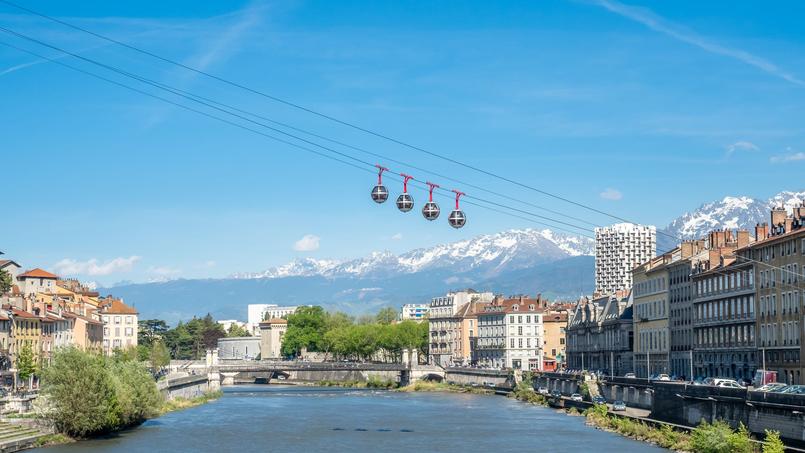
[618, 249]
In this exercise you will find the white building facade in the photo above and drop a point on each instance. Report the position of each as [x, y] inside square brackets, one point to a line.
[619, 249]
[414, 312]
[257, 313]
[510, 335]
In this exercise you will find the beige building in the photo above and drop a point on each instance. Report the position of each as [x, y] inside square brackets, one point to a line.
[652, 341]
[36, 281]
[555, 324]
[778, 257]
[271, 333]
[450, 340]
[119, 325]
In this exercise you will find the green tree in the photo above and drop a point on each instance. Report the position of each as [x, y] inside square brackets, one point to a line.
[159, 356]
[773, 443]
[87, 393]
[150, 329]
[306, 329]
[386, 315]
[237, 331]
[80, 393]
[26, 363]
[720, 438]
[6, 281]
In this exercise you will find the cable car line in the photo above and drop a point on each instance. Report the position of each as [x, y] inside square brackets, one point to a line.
[342, 122]
[297, 129]
[296, 145]
[195, 99]
[309, 110]
[209, 102]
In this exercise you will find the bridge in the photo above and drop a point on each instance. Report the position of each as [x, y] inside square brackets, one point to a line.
[229, 372]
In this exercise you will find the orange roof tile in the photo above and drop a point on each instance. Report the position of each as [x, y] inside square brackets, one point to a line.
[23, 314]
[117, 307]
[38, 273]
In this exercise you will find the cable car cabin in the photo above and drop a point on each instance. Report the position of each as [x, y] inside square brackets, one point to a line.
[380, 194]
[431, 210]
[457, 219]
[405, 202]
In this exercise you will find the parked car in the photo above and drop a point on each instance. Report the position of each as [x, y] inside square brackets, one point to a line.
[543, 390]
[576, 397]
[663, 377]
[618, 405]
[629, 375]
[731, 383]
[771, 387]
[793, 389]
[599, 400]
[556, 394]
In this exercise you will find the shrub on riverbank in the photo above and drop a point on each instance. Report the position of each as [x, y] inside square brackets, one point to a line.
[773, 443]
[665, 436]
[524, 391]
[720, 438]
[85, 393]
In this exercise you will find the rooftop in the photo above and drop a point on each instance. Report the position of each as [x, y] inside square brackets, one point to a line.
[116, 307]
[38, 273]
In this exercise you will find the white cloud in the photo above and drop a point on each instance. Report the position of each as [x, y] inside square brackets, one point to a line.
[790, 157]
[159, 274]
[611, 194]
[93, 267]
[741, 145]
[308, 243]
[397, 237]
[657, 23]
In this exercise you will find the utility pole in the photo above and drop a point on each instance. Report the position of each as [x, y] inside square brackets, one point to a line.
[691, 365]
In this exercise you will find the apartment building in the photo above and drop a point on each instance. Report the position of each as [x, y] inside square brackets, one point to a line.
[680, 303]
[414, 312]
[651, 310]
[600, 334]
[449, 336]
[511, 334]
[554, 339]
[778, 257]
[119, 325]
[618, 249]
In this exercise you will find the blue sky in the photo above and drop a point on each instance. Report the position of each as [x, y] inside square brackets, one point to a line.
[644, 110]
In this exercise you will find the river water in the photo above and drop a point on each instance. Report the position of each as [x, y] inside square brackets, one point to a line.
[312, 419]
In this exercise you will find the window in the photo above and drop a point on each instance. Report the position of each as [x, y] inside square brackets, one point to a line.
[117, 319]
[130, 332]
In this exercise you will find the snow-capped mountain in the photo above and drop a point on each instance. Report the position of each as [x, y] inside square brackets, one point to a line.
[732, 213]
[488, 255]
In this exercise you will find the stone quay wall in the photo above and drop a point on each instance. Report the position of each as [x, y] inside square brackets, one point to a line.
[470, 376]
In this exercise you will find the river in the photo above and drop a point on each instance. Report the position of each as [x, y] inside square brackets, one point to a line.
[312, 419]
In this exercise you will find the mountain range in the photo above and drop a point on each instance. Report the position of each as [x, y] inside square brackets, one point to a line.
[513, 261]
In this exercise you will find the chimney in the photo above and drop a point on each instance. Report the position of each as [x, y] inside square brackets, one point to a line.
[778, 216]
[743, 238]
[789, 224]
[686, 249]
[761, 231]
[715, 257]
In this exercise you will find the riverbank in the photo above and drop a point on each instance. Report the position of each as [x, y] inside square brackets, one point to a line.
[178, 404]
[427, 386]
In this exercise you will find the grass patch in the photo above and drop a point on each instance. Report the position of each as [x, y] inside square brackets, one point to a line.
[429, 386]
[26, 415]
[177, 404]
[53, 439]
[371, 383]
